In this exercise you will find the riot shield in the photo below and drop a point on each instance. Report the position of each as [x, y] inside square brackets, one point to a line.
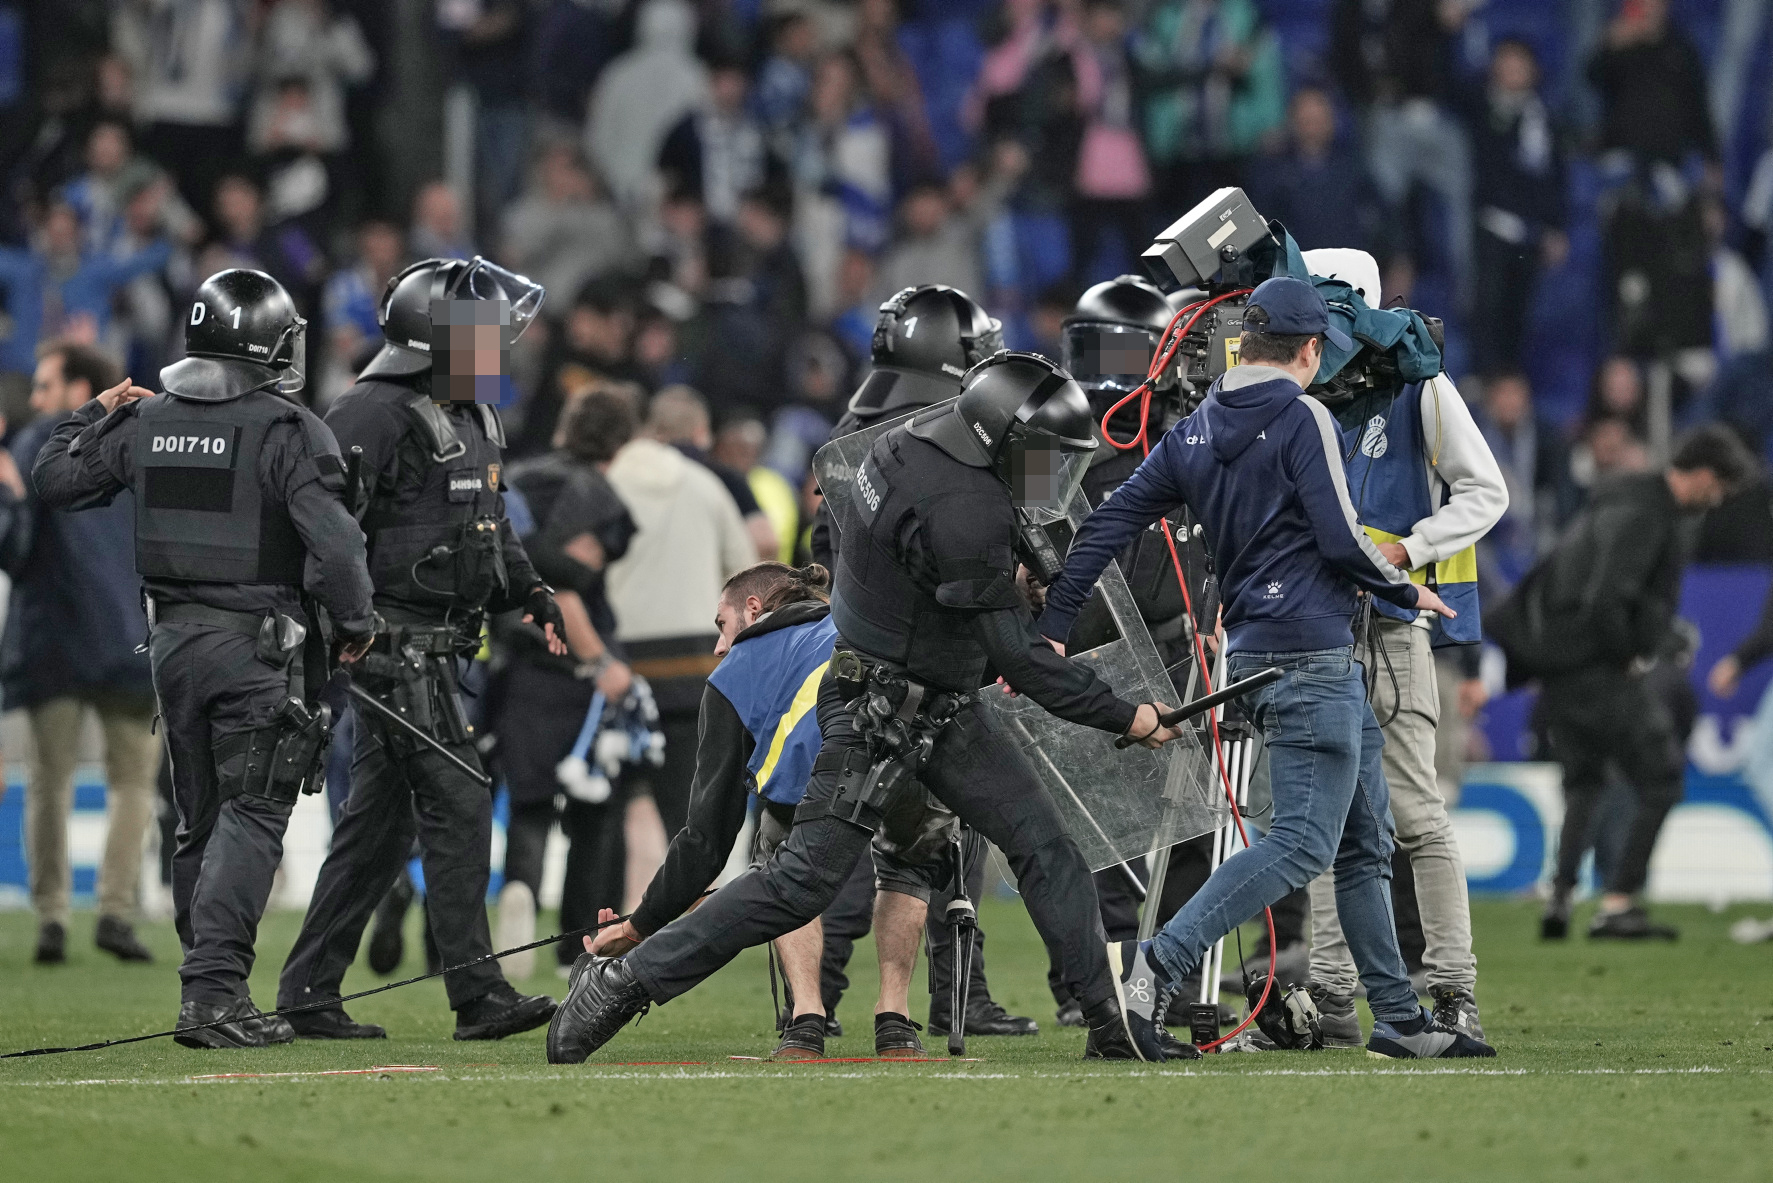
[1117, 804]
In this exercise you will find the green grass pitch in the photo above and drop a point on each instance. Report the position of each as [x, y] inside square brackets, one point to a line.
[1616, 1063]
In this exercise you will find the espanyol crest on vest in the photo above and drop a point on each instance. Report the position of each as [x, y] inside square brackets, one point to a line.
[1387, 449]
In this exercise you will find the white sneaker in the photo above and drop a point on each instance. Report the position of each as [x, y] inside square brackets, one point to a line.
[517, 926]
[1749, 931]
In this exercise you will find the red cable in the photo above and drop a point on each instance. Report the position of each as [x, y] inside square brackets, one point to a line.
[1142, 440]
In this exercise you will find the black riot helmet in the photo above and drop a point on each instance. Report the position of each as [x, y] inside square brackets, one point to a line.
[1025, 419]
[925, 341]
[405, 312]
[242, 334]
[1109, 340]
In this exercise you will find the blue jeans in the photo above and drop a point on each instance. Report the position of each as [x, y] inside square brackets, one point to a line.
[1329, 803]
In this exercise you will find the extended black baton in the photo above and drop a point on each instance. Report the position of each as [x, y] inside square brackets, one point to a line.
[1209, 701]
[393, 716]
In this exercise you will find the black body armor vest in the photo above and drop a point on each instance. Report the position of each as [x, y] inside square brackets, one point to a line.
[434, 538]
[201, 514]
[898, 596]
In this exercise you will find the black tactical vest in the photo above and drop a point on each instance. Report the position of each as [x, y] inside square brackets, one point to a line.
[425, 546]
[201, 514]
[898, 600]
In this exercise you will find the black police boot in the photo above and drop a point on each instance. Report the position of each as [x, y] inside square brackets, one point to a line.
[895, 1038]
[502, 1012]
[237, 1024]
[333, 1023]
[1174, 1048]
[984, 1017]
[387, 940]
[802, 1039]
[52, 943]
[1109, 1038]
[601, 998]
[118, 936]
[1631, 924]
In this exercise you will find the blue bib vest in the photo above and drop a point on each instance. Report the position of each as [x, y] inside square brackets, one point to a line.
[773, 683]
[1387, 457]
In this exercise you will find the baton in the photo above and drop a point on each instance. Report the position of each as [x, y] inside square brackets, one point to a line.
[1206, 702]
[388, 713]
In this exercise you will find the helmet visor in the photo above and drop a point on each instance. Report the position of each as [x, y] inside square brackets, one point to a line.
[292, 378]
[489, 281]
[1045, 473]
[1106, 356]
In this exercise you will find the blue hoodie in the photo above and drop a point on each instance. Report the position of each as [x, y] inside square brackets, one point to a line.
[1259, 464]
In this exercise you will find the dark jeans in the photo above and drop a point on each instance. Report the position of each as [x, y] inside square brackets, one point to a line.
[399, 791]
[669, 784]
[976, 772]
[211, 685]
[1506, 275]
[1601, 717]
[1330, 805]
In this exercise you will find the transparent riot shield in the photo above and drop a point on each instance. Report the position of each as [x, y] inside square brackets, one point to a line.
[1117, 804]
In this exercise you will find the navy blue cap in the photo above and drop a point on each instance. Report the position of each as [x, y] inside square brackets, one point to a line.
[1291, 307]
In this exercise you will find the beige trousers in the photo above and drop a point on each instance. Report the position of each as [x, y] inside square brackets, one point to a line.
[132, 762]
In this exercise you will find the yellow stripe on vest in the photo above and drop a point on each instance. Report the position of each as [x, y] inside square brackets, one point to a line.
[804, 698]
[1461, 568]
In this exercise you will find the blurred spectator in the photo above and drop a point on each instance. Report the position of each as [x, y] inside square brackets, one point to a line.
[690, 540]
[564, 232]
[286, 250]
[940, 227]
[1214, 87]
[574, 41]
[1617, 392]
[1739, 311]
[1652, 88]
[592, 346]
[658, 358]
[1112, 180]
[891, 82]
[785, 80]
[353, 294]
[755, 305]
[1531, 453]
[143, 330]
[716, 153]
[490, 40]
[857, 310]
[679, 417]
[1317, 186]
[72, 627]
[58, 287]
[96, 194]
[303, 39]
[191, 61]
[641, 96]
[1518, 195]
[842, 171]
[1394, 60]
[738, 448]
[437, 231]
[677, 247]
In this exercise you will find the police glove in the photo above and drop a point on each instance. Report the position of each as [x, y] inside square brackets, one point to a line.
[540, 610]
[353, 645]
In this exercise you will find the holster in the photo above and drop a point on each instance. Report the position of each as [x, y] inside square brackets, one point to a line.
[283, 759]
[420, 660]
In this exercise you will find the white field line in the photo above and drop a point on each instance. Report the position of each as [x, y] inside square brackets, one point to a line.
[684, 1074]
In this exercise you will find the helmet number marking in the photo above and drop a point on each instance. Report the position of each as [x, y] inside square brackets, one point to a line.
[236, 318]
[910, 326]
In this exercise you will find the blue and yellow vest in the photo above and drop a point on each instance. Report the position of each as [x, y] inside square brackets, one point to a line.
[1387, 453]
[772, 681]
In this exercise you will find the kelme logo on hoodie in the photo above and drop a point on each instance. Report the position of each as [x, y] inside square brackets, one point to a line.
[1274, 591]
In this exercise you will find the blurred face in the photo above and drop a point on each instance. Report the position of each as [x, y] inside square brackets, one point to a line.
[739, 445]
[656, 342]
[1506, 399]
[1104, 24]
[107, 150]
[237, 205]
[762, 227]
[1697, 489]
[1615, 449]
[854, 276]
[142, 213]
[925, 211]
[1513, 70]
[380, 244]
[728, 89]
[797, 40]
[1313, 120]
[1622, 387]
[51, 394]
[438, 211]
[470, 350]
[879, 14]
[731, 619]
[61, 230]
[833, 90]
[605, 334]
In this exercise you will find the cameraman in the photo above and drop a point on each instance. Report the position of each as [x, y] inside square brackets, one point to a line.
[1587, 621]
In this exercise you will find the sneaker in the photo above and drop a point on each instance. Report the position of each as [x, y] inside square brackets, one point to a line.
[603, 996]
[332, 1023]
[1457, 1008]
[1555, 924]
[1749, 931]
[502, 1012]
[118, 937]
[895, 1038]
[1141, 993]
[986, 1017]
[1423, 1039]
[1336, 1017]
[802, 1039]
[52, 943]
[1070, 1014]
[1632, 924]
[387, 941]
[517, 926]
[237, 1024]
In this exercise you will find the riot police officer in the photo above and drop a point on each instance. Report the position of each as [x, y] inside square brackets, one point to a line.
[238, 510]
[925, 602]
[442, 554]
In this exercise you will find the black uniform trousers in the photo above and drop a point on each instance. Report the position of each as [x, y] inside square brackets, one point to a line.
[1599, 717]
[974, 770]
[398, 790]
[211, 684]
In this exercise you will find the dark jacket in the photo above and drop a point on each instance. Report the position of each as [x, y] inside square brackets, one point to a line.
[1517, 165]
[1607, 592]
[1260, 466]
[569, 498]
[76, 615]
[1654, 99]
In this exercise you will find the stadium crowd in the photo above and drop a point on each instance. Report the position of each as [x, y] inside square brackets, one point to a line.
[718, 195]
